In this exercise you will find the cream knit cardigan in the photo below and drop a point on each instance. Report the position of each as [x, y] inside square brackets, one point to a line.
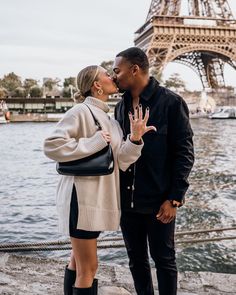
[75, 137]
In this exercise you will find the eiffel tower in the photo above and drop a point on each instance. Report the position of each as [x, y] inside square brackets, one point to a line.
[204, 39]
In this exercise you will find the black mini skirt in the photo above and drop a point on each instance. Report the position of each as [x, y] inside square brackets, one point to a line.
[74, 232]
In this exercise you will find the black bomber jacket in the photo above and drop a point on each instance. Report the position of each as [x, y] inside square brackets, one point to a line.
[167, 157]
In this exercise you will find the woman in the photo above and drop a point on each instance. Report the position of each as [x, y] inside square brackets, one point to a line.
[89, 205]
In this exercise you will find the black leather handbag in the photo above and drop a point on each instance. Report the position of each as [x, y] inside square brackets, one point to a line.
[100, 163]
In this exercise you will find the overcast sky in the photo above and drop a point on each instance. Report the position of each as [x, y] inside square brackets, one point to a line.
[50, 38]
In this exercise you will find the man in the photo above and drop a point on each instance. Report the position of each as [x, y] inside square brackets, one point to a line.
[154, 187]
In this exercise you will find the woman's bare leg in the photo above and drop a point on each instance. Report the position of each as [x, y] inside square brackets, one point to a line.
[85, 255]
[72, 265]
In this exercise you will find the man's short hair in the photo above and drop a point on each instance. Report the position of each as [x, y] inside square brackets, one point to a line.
[135, 56]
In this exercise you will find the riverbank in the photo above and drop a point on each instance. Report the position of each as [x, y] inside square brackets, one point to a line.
[37, 276]
[34, 117]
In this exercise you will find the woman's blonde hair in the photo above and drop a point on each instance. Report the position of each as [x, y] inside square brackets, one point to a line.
[84, 82]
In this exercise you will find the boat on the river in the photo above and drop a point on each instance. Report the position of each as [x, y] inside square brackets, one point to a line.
[4, 113]
[226, 112]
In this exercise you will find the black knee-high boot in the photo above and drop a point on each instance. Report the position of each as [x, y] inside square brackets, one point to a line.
[93, 290]
[69, 280]
[83, 291]
[95, 287]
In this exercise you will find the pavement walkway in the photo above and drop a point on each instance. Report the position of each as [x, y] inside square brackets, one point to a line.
[24, 275]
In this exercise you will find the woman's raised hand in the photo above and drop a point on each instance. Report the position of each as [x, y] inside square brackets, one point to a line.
[138, 124]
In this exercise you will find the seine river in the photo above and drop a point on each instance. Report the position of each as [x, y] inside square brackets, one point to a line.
[28, 182]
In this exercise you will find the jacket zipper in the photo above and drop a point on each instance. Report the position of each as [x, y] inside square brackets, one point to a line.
[133, 187]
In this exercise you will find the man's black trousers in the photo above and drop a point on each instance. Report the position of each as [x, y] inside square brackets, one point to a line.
[140, 230]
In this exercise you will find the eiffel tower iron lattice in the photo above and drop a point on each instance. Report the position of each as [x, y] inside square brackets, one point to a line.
[204, 39]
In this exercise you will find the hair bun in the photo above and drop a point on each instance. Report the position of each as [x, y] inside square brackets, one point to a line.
[79, 97]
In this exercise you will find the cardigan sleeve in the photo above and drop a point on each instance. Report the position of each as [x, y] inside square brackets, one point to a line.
[62, 146]
[129, 152]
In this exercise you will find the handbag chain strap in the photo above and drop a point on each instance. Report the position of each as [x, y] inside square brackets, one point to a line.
[95, 119]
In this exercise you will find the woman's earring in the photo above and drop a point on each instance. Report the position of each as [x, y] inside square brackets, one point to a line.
[100, 91]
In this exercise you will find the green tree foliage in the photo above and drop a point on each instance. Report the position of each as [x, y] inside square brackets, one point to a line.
[69, 87]
[19, 92]
[156, 74]
[108, 66]
[49, 83]
[11, 81]
[28, 83]
[3, 92]
[66, 92]
[175, 81]
[35, 91]
[69, 81]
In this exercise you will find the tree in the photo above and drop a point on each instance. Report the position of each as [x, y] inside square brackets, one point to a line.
[28, 83]
[175, 82]
[68, 92]
[69, 87]
[49, 83]
[158, 75]
[50, 87]
[19, 92]
[11, 81]
[108, 66]
[69, 81]
[36, 91]
[3, 92]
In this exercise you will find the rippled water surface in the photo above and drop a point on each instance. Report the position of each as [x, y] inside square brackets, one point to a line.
[28, 184]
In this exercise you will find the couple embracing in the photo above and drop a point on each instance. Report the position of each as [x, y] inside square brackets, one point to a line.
[151, 139]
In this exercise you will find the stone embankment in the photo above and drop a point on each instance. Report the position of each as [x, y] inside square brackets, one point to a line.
[22, 275]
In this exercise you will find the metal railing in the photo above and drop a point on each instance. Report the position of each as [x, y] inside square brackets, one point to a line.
[117, 242]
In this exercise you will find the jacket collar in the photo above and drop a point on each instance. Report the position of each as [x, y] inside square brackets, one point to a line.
[97, 103]
[148, 91]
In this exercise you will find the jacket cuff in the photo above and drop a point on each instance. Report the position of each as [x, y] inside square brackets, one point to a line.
[177, 197]
[132, 150]
[131, 147]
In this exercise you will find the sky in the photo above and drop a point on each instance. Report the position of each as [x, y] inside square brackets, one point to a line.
[50, 38]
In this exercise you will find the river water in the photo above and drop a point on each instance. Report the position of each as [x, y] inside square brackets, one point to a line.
[28, 183]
